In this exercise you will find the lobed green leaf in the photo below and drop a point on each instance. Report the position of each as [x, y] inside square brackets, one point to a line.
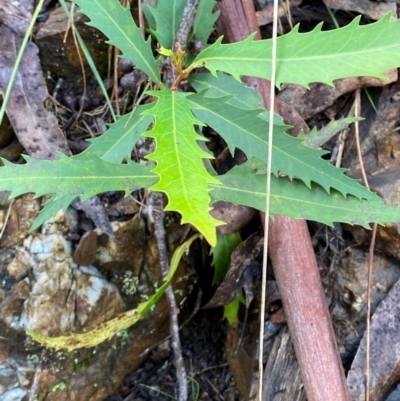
[183, 176]
[237, 94]
[84, 177]
[317, 56]
[242, 186]
[205, 20]
[116, 22]
[245, 130]
[50, 209]
[118, 141]
[167, 18]
[317, 138]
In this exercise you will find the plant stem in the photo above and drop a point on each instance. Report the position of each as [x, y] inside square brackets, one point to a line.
[156, 200]
[171, 78]
[180, 41]
[294, 262]
[189, 14]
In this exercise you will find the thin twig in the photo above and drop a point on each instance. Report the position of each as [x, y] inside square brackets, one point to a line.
[36, 379]
[6, 218]
[267, 198]
[181, 39]
[141, 17]
[189, 14]
[370, 251]
[357, 133]
[78, 51]
[156, 200]
[369, 286]
[115, 86]
[191, 316]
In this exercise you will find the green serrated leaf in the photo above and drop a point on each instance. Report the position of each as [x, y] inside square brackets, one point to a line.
[205, 20]
[50, 209]
[116, 22]
[113, 146]
[223, 85]
[237, 93]
[243, 129]
[242, 186]
[317, 56]
[221, 254]
[117, 143]
[146, 4]
[107, 330]
[167, 16]
[67, 176]
[183, 176]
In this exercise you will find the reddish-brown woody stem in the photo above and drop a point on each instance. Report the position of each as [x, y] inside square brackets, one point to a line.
[293, 259]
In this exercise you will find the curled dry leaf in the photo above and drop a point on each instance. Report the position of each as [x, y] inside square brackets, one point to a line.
[235, 217]
[85, 252]
[310, 102]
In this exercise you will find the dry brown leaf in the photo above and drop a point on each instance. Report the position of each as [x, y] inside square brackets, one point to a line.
[384, 352]
[16, 14]
[36, 128]
[308, 102]
[372, 9]
[241, 257]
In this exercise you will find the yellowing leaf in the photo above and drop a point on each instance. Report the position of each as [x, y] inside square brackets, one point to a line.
[183, 176]
[107, 330]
